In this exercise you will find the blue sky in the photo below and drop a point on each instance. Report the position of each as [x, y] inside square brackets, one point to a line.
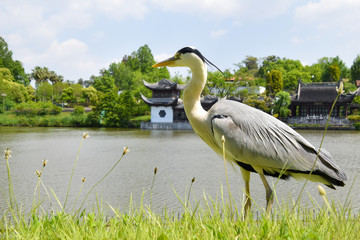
[77, 38]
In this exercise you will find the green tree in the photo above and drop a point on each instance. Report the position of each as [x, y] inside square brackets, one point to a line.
[58, 89]
[123, 76]
[355, 69]
[274, 82]
[78, 89]
[118, 108]
[334, 72]
[267, 65]
[314, 72]
[222, 85]
[67, 96]
[15, 66]
[90, 95]
[104, 83]
[251, 62]
[281, 104]
[328, 71]
[141, 60]
[45, 91]
[259, 101]
[15, 92]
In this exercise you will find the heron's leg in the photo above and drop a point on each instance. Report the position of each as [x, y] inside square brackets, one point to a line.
[269, 192]
[246, 176]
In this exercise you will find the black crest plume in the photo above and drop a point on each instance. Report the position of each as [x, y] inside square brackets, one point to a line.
[194, 50]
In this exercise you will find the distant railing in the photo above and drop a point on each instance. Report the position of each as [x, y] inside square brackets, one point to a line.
[318, 120]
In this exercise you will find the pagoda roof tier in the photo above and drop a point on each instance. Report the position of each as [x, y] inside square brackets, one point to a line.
[159, 101]
[320, 93]
[209, 99]
[164, 85]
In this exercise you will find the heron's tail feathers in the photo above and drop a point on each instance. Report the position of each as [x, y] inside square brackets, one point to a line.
[329, 170]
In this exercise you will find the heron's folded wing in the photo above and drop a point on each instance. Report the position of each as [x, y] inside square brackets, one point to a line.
[257, 138]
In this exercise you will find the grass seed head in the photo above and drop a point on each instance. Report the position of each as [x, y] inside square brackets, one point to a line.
[155, 170]
[44, 162]
[7, 153]
[83, 179]
[126, 150]
[38, 173]
[322, 191]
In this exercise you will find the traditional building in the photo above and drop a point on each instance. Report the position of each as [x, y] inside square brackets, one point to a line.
[316, 99]
[164, 101]
[167, 108]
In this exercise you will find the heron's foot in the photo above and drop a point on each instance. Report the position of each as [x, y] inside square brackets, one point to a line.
[247, 207]
[269, 201]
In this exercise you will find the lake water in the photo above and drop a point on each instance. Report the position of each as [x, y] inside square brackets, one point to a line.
[178, 155]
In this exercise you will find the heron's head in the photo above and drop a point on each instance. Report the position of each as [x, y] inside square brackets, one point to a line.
[185, 57]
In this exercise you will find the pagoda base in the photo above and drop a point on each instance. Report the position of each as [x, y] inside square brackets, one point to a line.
[166, 125]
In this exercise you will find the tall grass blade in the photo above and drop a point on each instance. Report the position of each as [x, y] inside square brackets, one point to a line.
[73, 170]
[318, 153]
[92, 188]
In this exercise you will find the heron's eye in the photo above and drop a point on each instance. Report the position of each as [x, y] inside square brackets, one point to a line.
[177, 56]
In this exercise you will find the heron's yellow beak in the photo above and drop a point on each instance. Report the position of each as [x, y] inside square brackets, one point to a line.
[166, 63]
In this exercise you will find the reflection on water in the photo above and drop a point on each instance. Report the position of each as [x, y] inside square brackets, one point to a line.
[178, 155]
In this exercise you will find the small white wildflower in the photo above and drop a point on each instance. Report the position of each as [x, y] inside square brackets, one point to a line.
[86, 135]
[126, 150]
[340, 90]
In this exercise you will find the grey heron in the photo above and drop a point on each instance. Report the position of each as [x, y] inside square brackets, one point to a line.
[255, 140]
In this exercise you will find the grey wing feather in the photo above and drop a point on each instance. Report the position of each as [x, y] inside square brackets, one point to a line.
[256, 138]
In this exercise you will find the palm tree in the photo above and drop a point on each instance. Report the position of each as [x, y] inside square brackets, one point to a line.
[39, 75]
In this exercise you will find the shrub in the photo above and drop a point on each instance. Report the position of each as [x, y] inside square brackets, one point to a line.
[79, 110]
[55, 110]
[31, 108]
[93, 119]
[78, 120]
[66, 122]
[354, 118]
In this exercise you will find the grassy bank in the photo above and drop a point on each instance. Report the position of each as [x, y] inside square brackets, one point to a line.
[64, 119]
[191, 224]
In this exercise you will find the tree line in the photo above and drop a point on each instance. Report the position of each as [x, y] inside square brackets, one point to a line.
[114, 93]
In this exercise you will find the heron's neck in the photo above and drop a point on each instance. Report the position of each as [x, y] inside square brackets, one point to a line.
[192, 92]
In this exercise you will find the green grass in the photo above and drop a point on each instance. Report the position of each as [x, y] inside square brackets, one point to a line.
[206, 219]
[64, 119]
[61, 120]
[210, 222]
[145, 118]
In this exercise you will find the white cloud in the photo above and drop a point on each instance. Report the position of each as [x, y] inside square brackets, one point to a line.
[119, 9]
[207, 8]
[51, 33]
[71, 47]
[218, 33]
[236, 9]
[331, 15]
